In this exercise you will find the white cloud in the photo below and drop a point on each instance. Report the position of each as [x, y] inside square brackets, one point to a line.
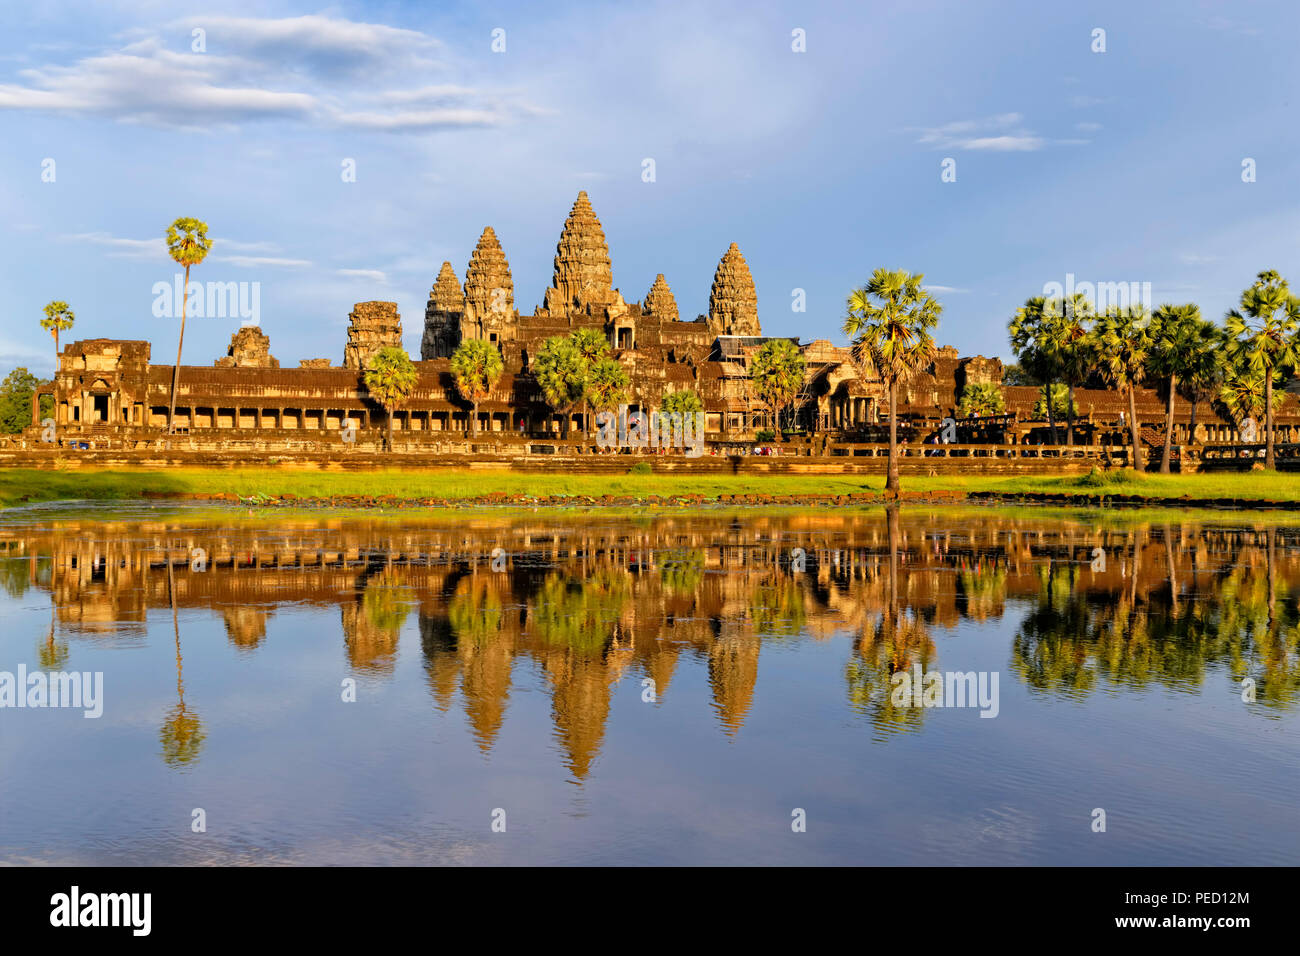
[374, 274]
[302, 69]
[1001, 133]
[257, 261]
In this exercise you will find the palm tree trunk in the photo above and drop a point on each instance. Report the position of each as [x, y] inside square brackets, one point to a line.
[586, 418]
[180, 344]
[390, 429]
[1191, 426]
[1134, 429]
[891, 470]
[473, 429]
[1069, 415]
[1268, 419]
[1169, 427]
[1051, 412]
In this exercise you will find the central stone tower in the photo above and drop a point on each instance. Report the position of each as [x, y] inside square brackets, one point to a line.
[733, 303]
[583, 281]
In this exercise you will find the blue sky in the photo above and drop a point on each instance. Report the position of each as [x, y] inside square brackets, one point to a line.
[823, 165]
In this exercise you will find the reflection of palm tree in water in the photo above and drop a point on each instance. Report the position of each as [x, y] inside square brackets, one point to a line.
[372, 624]
[52, 653]
[182, 733]
[892, 641]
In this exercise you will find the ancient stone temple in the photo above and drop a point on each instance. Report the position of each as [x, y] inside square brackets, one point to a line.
[375, 325]
[442, 315]
[107, 387]
[250, 347]
[733, 302]
[659, 301]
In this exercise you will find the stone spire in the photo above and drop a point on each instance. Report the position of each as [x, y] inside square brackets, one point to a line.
[250, 347]
[446, 294]
[733, 303]
[375, 325]
[582, 273]
[442, 316]
[659, 301]
[488, 286]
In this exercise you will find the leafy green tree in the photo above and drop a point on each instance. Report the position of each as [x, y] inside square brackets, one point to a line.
[777, 373]
[1029, 329]
[1062, 405]
[188, 245]
[1180, 341]
[390, 378]
[592, 346]
[982, 398]
[1123, 341]
[58, 318]
[1013, 374]
[561, 373]
[16, 401]
[475, 367]
[890, 324]
[1262, 336]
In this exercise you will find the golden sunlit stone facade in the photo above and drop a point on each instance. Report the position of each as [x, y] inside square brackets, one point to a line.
[107, 389]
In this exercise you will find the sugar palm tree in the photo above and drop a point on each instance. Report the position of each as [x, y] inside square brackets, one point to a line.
[58, 317]
[561, 373]
[188, 245]
[982, 398]
[683, 402]
[182, 733]
[1180, 339]
[1030, 340]
[475, 367]
[1070, 347]
[1243, 391]
[1202, 374]
[390, 378]
[890, 324]
[1122, 337]
[777, 373]
[607, 382]
[1262, 335]
[592, 346]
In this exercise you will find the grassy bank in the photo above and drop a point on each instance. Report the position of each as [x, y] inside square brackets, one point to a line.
[18, 486]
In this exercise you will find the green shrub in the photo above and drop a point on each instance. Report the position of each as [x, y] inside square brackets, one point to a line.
[640, 468]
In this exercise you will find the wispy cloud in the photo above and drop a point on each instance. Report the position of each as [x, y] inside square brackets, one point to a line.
[1001, 133]
[301, 69]
[259, 261]
[375, 274]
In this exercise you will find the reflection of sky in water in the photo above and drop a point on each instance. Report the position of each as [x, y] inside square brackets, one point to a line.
[523, 689]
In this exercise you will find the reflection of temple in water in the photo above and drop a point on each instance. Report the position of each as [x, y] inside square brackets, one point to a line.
[587, 604]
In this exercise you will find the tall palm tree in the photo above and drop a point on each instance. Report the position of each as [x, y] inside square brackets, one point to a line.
[1122, 337]
[1202, 373]
[592, 345]
[777, 373]
[1070, 346]
[475, 367]
[182, 733]
[890, 324]
[58, 316]
[607, 385]
[1030, 340]
[188, 245]
[1263, 335]
[1180, 339]
[390, 377]
[561, 373]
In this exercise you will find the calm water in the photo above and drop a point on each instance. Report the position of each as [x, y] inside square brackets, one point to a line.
[651, 690]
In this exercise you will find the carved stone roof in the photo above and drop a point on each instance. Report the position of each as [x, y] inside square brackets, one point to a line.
[733, 302]
[488, 272]
[660, 302]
